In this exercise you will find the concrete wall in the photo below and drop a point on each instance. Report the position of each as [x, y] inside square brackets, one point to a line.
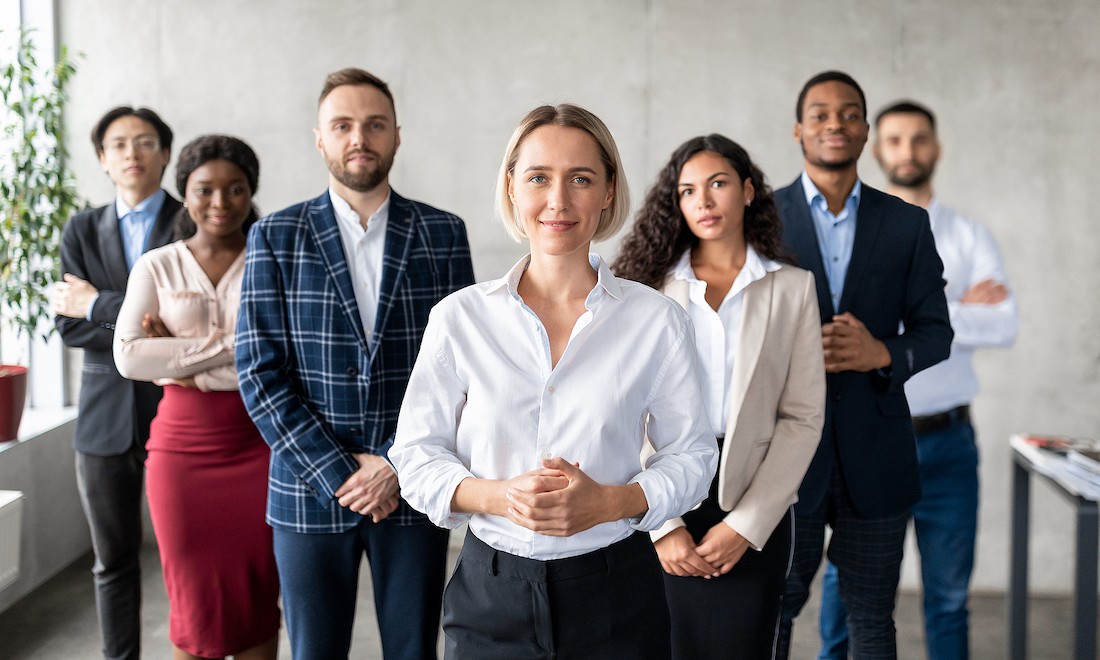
[1014, 83]
[54, 532]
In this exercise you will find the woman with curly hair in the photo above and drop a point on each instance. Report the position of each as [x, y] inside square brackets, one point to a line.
[207, 465]
[708, 237]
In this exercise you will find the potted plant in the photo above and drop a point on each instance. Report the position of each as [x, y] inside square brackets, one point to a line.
[37, 195]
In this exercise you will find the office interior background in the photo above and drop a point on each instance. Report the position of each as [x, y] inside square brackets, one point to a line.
[1015, 84]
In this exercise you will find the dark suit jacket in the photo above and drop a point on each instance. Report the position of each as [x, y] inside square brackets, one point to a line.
[114, 412]
[315, 384]
[895, 277]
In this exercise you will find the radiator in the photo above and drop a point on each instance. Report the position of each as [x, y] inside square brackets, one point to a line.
[11, 515]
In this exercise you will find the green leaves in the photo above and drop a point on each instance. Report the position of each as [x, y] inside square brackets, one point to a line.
[37, 190]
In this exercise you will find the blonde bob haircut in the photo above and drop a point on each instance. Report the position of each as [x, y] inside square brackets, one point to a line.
[570, 116]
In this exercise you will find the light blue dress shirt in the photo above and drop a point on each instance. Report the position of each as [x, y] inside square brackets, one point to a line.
[836, 234]
[134, 226]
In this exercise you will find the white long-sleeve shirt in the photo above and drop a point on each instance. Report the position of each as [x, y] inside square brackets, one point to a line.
[717, 332]
[970, 255]
[483, 401]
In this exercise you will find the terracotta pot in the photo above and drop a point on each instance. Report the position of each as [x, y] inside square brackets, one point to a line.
[13, 396]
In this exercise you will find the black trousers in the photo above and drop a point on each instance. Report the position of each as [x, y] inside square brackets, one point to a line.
[110, 494]
[608, 605]
[737, 614]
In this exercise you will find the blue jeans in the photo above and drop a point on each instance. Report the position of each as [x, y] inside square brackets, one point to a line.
[946, 524]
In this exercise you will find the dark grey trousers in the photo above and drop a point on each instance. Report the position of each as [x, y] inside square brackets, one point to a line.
[110, 493]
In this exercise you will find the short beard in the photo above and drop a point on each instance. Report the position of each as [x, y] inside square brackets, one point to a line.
[839, 166]
[830, 167]
[362, 181]
[920, 177]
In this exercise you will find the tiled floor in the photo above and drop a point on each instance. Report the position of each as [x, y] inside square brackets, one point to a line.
[57, 622]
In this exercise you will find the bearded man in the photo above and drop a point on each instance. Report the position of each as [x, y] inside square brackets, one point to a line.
[335, 298]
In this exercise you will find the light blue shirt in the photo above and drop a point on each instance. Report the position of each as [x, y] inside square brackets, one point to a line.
[134, 225]
[836, 234]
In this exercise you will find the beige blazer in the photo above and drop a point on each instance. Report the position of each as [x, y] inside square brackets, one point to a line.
[777, 402]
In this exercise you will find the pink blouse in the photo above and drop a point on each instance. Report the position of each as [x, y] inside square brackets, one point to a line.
[169, 283]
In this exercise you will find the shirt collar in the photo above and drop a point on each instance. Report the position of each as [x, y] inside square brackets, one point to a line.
[151, 205]
[756, 266]
[346, 216]
[606, 282]
[814, 197]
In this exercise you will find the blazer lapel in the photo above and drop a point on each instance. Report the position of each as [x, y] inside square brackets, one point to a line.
[868, 221]
[163, 229]
[322, 222]
[110, 246]
[800, 233]
[755, 314]
[399, 234]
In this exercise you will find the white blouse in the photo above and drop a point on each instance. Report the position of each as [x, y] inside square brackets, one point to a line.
[169, 283]
[717, 332]
[483, 401]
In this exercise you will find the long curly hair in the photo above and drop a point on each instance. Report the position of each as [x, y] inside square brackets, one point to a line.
[660, 234]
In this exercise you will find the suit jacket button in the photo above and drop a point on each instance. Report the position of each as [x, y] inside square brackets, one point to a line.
[352, 371]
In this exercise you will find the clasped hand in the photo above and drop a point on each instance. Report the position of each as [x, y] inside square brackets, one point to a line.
[372, 490]
[558, 499]
[849, 346]
[719, 551]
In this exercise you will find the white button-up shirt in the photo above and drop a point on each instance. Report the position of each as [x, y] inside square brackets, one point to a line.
[363, 249]
[969, 255]
[483, 401]
[717, 332]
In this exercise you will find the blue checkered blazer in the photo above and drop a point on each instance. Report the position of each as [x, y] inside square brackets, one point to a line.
[314, 385]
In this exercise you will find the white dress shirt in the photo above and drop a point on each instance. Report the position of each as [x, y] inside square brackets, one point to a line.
[717, 332]
[483, 401]
[969, 255]
[363, 249]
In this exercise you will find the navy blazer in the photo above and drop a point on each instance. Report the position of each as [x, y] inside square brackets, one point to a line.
[894, 285]
[314, 383]
[114, 412]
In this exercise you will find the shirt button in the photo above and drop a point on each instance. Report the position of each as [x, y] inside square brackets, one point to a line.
[352, 371]
[547, 456]
[550, 389]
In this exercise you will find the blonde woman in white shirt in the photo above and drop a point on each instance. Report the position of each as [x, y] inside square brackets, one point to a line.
[524, 416]
[206, 474]
[708, 236]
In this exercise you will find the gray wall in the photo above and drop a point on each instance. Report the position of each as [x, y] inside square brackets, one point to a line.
[1014, 82]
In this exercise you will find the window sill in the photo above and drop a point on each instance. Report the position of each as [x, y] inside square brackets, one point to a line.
[37, 421]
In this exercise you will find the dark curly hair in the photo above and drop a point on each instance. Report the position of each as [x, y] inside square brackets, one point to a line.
[660, 234]
[204, 149]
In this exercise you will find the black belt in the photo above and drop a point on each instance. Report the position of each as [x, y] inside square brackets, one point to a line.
[940, 421]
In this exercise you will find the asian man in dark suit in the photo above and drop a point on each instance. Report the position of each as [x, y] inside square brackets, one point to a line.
[334, 302]
[98, 248]
[884, 318]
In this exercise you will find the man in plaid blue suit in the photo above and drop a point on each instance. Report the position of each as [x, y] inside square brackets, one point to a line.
[335, 298]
